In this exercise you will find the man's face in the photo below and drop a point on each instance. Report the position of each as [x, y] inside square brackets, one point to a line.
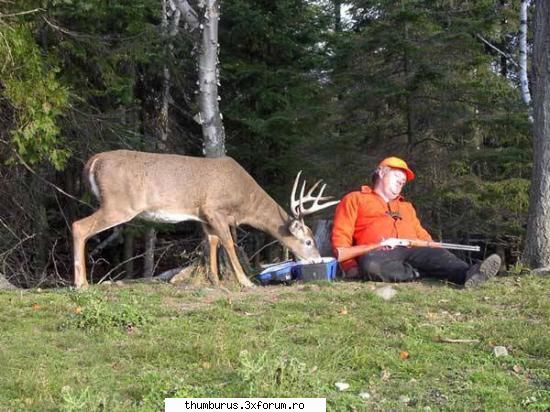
[392, 182]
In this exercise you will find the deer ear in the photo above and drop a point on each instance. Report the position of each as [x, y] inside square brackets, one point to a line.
[297, 228]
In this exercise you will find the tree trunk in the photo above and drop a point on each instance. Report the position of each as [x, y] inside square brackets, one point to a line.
[128, 254]
[5, 284]
[165, 91]
[210, 116]
[523, 80]
[337, 15]
[149, 254]
[537, 250]
[322, 233]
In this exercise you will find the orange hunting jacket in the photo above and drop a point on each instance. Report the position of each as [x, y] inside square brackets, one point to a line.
[363, 218]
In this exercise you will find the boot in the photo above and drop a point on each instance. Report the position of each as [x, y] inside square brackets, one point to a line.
[483, 271]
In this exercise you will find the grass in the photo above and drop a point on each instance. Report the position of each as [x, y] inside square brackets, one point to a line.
[126, 348]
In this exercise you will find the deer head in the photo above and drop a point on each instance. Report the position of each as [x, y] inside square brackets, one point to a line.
[302, 241]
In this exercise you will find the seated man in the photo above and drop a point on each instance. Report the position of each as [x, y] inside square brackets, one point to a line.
[369, 216]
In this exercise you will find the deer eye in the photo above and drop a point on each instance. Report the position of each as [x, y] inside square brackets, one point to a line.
[309, 242]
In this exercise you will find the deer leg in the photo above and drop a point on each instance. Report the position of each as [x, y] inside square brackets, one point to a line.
[85, 228]
[229, 246]
[219, 226]
[213, 242]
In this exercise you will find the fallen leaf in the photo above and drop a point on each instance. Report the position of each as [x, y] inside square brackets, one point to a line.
[432, 316]
[342, 386]
[404, 354]
[517, 368]
[36, 306]
[78, 310]
[343, 311]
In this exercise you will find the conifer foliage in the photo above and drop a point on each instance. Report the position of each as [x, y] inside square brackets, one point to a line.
[328, 86]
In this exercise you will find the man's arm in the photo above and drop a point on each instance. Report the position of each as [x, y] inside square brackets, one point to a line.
[343, 228]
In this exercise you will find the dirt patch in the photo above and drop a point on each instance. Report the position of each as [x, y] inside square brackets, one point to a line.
[190, 297]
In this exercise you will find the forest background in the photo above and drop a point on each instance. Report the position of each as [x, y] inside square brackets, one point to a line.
[328, 87]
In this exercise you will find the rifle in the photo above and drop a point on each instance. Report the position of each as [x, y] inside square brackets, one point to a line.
[347, 253]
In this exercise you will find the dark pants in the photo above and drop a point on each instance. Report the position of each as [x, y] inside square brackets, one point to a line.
[404, 264]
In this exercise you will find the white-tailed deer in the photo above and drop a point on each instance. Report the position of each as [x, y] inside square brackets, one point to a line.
[172, 188]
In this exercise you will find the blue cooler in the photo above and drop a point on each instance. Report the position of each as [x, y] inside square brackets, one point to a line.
[324, 270]
[275, 274]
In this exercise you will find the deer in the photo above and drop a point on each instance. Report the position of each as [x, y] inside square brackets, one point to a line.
[217, 192]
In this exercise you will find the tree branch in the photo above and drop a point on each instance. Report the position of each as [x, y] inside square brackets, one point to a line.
[30, 169]
[21, 13]
[189, 14]
[492, 46]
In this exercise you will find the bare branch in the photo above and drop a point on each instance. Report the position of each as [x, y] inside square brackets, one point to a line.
[21, 13]
[450, 340]
[175, 21]
[30, 169]
[492, 46]
[189, 14]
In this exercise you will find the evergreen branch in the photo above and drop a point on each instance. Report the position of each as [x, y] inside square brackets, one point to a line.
[432, 139]
[94, 37]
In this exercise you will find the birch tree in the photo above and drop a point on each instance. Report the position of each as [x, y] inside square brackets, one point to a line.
[537, 250]
[523, 80]
[204, 29]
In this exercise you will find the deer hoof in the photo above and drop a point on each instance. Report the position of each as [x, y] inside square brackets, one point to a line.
[248, 284]
[82, 285]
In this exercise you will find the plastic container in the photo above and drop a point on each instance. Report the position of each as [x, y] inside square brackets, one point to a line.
[324, 270]
[276, 274]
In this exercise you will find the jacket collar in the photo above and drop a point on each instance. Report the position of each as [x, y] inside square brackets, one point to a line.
[367, 190]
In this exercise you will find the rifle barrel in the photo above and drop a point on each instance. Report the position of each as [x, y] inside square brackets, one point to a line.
[460, 247]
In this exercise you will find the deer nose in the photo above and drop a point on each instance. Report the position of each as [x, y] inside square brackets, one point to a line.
[313, 254]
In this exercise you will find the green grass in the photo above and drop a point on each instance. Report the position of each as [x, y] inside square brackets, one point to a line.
[124, 348]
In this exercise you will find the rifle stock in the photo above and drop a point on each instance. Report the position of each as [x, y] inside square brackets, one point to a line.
[347, 253]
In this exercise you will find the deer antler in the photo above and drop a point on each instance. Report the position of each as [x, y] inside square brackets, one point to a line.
[297, 205]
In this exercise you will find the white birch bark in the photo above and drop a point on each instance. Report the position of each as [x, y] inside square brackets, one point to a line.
[188, 14]
[209, 115]
[523, 80]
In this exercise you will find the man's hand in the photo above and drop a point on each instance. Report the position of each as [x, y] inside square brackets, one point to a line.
[393, 242]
